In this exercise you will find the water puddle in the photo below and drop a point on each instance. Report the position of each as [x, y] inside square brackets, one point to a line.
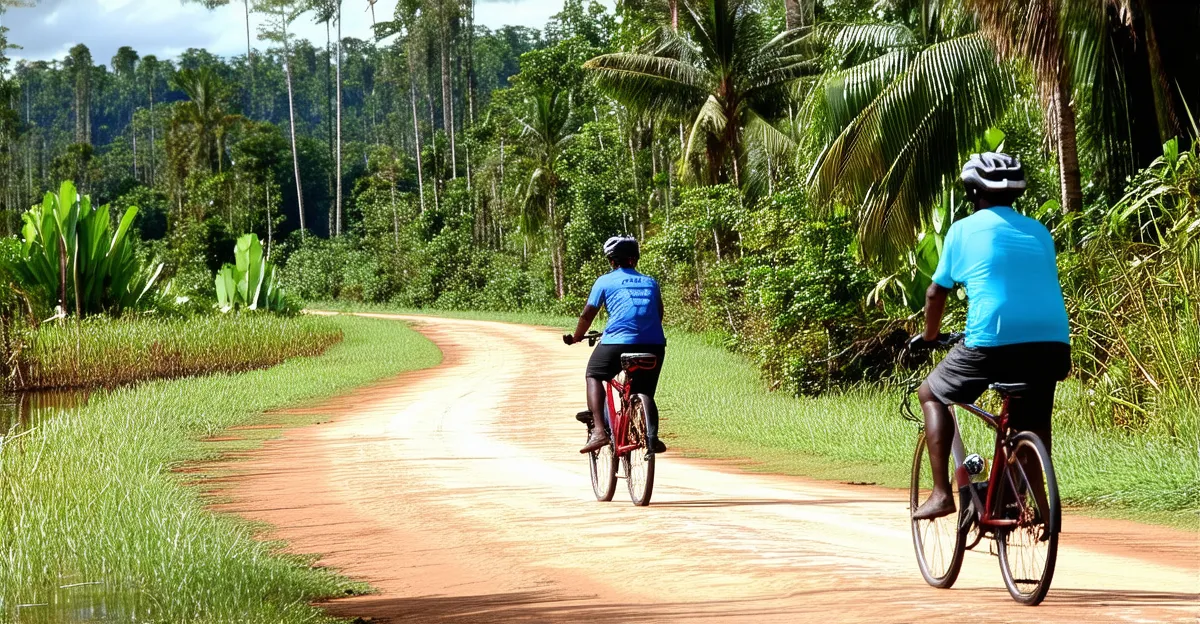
[83, 602]
[24, 410]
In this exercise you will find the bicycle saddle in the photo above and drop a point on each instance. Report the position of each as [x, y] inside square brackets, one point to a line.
[631, 362]
[1010, 389]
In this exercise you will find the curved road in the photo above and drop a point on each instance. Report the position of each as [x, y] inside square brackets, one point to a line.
[458, 492]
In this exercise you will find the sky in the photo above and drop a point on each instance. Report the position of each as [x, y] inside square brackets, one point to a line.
[166, 28]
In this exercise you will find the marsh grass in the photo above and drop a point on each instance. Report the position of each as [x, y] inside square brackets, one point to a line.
[104, 352]
[92, 496]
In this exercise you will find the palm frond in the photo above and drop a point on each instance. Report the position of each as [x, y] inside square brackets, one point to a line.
[891, 160]
[657, 85]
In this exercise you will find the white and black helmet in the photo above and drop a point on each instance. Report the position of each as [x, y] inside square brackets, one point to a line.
[621, 247]
[993, 172]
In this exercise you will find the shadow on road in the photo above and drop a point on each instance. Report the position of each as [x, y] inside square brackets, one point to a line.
[534, 607]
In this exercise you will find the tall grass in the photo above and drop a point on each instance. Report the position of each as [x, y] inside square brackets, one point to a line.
[104, 352]
[714, 404]
[90, 497]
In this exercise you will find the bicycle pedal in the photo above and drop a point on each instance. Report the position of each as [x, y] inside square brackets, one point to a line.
[585, 417]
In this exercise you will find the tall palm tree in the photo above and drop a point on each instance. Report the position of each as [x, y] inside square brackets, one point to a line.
[201, 124]
[723, 72]
[895, 112]
[212, 4]
[547, 128]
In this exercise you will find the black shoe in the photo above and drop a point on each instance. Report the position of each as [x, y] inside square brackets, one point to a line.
[585, 417]
[657, 445]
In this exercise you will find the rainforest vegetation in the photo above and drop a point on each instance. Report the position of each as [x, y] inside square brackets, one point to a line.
[789, 165]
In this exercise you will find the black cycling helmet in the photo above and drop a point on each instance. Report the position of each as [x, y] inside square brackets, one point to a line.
[621, 247]
[993, 173]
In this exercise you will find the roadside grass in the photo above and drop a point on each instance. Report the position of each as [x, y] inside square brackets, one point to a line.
[95, 522]
[104, 352]
[714, 405]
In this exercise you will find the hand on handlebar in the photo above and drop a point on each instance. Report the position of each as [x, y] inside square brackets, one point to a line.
[918, 343]
[569, 339]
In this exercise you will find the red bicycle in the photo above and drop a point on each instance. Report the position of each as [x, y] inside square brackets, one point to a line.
[627, 417]
[1017, 506]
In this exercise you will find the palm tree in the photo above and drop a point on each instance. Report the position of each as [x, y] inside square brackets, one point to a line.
[330, 11]
[201, 123]
[723, 72]
[547, 127]
[212, 4]
[895, 114]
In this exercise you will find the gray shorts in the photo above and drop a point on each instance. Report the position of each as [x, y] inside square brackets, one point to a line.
[966, 372]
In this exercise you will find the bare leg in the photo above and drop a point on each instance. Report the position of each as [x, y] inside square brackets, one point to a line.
[939, 435]
[595, 400]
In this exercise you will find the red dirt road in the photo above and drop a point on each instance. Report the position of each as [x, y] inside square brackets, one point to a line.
[459, 494]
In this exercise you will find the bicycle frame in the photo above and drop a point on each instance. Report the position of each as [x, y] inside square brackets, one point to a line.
[999, 423]
[618, 419]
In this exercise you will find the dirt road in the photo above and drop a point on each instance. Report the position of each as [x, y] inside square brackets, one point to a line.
[459, 493]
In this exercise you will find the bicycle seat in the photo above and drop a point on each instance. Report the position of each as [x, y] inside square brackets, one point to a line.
[631, 362]
[1010, 389]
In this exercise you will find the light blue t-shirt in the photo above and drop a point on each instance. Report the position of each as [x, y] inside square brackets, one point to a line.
[1006, 262]
[633, 301]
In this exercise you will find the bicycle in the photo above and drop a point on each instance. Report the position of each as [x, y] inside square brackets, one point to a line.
[1017, 506]
[627, 416]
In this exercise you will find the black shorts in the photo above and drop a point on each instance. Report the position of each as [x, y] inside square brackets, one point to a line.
[966, 372]
[605, 363]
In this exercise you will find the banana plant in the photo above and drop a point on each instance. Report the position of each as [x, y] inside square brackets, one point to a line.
[71, 258]
[251, 282]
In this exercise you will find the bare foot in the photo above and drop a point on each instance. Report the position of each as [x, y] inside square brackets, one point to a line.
[937, 506]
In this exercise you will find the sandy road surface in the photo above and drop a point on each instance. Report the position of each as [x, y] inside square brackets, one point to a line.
[458, 492]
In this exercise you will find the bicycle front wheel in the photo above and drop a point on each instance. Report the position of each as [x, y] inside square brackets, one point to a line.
[941, 542]
[1030, 496]
[639, 462]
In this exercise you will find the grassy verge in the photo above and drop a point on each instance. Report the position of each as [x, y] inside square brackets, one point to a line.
[714, 405]
[103, 352]
[90, 500]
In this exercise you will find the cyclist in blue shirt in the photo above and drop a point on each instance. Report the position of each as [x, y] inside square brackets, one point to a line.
[1016, 329]
[635, 313]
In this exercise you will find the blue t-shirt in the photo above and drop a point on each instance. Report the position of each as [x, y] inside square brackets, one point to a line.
[1006, 262]
[633, 301]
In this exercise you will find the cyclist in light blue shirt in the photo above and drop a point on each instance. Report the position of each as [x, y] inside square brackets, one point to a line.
[1017, 329]
[635, 313]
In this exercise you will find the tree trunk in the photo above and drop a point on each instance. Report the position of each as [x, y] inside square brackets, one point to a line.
[249, 56]
[152, 139]
[412, 87]
[673, 8]
[339, 119]
[329, 116]
[791, 11]
[287, 70]
[447, 92]
[556, 262]
[1068, 149]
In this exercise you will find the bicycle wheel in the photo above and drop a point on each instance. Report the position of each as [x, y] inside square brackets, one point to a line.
[603, 466]
[639, 465]
[1028, 550]
[939, 543]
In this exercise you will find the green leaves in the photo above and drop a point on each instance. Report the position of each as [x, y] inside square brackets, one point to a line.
[892, 158]
[251, 282]
[72, 258]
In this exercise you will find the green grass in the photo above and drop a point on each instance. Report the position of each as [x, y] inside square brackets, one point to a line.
[103, 352]
[91, 497]
[714, 404]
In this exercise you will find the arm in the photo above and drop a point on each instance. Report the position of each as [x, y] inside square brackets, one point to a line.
[935, 306]
[585, 322]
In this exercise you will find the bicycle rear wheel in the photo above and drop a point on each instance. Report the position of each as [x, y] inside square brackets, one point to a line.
[1029, 550]
[939, 543]
[602, 464]
[639, 463]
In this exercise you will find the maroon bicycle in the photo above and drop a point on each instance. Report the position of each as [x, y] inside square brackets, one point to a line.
[627, 417]
[1017, 506]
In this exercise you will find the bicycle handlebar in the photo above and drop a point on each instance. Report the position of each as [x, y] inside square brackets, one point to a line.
[591, 337]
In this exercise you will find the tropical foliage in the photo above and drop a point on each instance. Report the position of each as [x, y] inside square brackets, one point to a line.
[252, 282]
[72, 259]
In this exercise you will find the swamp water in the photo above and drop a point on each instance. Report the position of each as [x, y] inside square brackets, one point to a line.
[75, 600]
